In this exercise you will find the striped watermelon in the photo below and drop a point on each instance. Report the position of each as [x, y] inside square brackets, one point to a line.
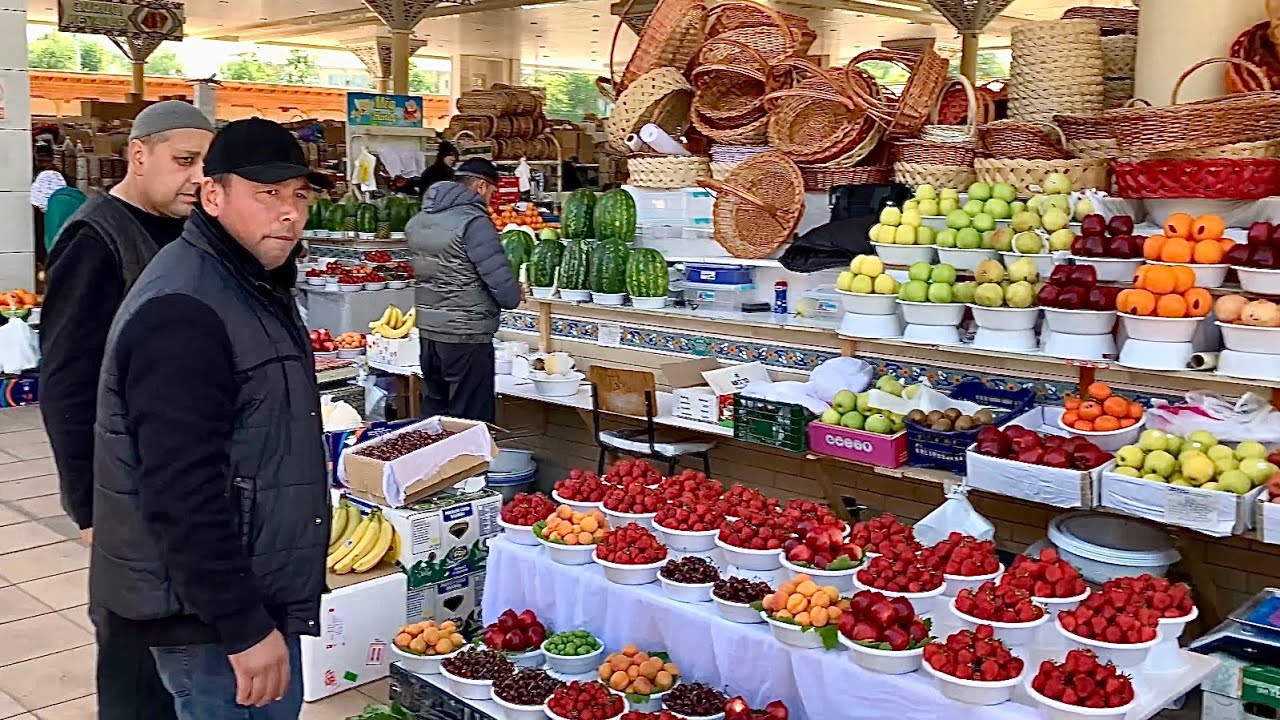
[609, 267]
[646, 273]
[515, 246]
[574, 266]
[544, 262]
[615, 217]
[576, 215]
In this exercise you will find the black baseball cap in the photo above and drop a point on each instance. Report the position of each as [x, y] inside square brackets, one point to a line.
[478, 168]
[260, 151]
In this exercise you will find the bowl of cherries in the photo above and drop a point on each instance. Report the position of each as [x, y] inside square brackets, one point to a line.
[689, 579]
[733, 598]
[522, 696]
[630, 555]
[585, 701]
[695, 701]
[519, 515]
[471, 673]
[973, 667]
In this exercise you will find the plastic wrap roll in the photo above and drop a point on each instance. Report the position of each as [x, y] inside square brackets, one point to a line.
[1203, 361]
[635, 143]
[658, 139]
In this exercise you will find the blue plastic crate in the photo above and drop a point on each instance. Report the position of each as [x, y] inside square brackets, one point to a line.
[946, 450]
[717, 274]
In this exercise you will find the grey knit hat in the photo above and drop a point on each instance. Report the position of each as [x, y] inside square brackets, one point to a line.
[168, 115]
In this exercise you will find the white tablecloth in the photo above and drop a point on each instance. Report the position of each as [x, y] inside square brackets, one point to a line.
[745, 659]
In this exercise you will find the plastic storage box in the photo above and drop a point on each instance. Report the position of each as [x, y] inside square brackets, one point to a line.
[946, 450]
[708, 274]
[717, 297]
[767, 422]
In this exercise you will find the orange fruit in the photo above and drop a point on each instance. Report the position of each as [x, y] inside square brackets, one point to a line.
[1135, 410]
[1160, 279]
[1140, 277]
[1098, 391]
[1071, 402]
[1083, 425]
[1106, 423]
[1208, 227]
[1176, 250]
[1127, 422]
[1171, 306]
[1184, 278]
[1136, 302]
[1178, 225]
[1116, 406]
[1199, 302]
[1090, 411]
[1207, 252]
[1151, 248]
[1070, 417]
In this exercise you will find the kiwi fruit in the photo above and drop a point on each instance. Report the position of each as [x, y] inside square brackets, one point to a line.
[935, 416]
[985, 417]
[941, 425]
[952, 414]
[964, 422]
[917, 416]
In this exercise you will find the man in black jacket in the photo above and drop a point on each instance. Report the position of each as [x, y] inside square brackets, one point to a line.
[101, 251]
[210, 496]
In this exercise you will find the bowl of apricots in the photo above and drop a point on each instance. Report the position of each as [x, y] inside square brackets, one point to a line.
[1164, 304]
[1193, 242]
[798, 607]
[421, 647]
[1107, 420]
[643, 678]
[570, 536]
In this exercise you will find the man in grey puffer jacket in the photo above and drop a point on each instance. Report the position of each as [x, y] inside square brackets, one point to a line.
[464, 281]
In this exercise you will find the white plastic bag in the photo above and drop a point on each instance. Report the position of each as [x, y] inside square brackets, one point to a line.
[839, 373]
[19, 347]
[1249, 418]
[954, 515]
[375, 398]
[787, 391]
[338, 415]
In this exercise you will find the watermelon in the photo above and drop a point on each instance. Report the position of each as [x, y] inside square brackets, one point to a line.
[398, 213]
[577, 214]
[646, 273]
[366, 218]
[336, 217]
[609, 267]
[318, 215]
[574, 264]
[544, 261]
[549, 234]
[615, 217]
[514, 245]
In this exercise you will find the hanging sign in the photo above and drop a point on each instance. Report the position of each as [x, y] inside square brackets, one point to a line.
[151, 19]
[370, 110]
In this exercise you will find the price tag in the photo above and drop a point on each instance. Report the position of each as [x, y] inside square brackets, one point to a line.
[1190, 508]
[609, 334]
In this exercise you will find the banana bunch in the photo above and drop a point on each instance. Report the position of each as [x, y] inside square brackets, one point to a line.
[394, 324]
[358, 543]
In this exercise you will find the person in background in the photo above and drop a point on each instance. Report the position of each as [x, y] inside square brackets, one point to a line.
[211, 501]
[464, 281]
[440, 171]
[99, 255]
[570, 178]
[44, 183]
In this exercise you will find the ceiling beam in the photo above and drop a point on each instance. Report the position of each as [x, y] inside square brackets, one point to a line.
[248, 31]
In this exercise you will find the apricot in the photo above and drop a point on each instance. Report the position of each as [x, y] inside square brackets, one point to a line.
[787, 588]
[584, 538]
[605, 671]
[630, 650]
[1176, 250]
[1135, 411]
[640, 658]
[664, 680]
[832, 594]
[1179, 225]
[1083, 425]
[1184, 278]
[564, 512]
[633, 672]
[807, 588]
[431, 635]
[1171, 306]
[819, 600]
[1089, 411]
[1208, 227]
[1116, 406]
[1199, 303]
[1226, 244]
[834, 612]
[799, 578]
[797, 603]
[589, 524]
[1106, 423]
[802, 619]
[1160, 280]
[619, 680]
[418, 645]
[642, 686]
[1127, 422]
[620, 662]
[1208, 252]
[1136, 302]
[444, 646]
[818, 617]
[1071, 402]
[1098, 391]
[782, 615]
[456, 639]
[1070, 417]
[671, 669]
[571, 539]
[403, 640]
[1152, 246]
[555, 537]
[448, 626]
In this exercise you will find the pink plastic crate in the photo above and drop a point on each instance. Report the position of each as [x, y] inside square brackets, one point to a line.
[858, 446]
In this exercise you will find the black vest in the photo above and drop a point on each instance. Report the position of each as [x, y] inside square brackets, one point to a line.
[277, 481]
[128, 241]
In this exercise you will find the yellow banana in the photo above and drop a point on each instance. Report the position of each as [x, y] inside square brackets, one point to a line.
[393, 551]
[410, 319]
[361, 548]
[337, 520]
[393, 333]
[394, 320]
[350, 544]
[380, 545]
[386, 315]
[349, 527]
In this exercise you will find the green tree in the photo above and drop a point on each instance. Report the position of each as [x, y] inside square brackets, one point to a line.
[569, 95]
[164, 63]
[299, 69]
[91, 56]
[423, 82]
[990, 66]
[246, 67]
[53, 51]
[886, 73]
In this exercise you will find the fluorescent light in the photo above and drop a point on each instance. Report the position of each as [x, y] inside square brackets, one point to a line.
[892, 5]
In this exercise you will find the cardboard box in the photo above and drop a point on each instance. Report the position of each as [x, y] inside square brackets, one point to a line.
[457, 599]
[424, 471]
[1267, 519]
[1052, 486]
[704, 390]
[445, 536]
[1211, 512]
[396, 352]
[858, 446]
[356, 633]
[1237, 690]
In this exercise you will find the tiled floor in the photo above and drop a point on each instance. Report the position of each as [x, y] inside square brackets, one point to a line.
[46, 640]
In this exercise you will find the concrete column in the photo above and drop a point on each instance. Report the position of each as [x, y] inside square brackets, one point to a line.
[473, 72]
[139, 71]
[1203, 29]
[17, 242]
[383, 85]
[400, 62]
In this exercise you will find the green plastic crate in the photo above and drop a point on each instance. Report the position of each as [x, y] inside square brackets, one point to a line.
[776, 424]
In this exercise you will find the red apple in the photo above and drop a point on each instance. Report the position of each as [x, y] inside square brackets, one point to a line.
[1260, 233]
[1093, 224]
[1048, 295]
[1098, 299]
[1238, 255]
[1083, 274]
[1072, 298]
[1119, 225]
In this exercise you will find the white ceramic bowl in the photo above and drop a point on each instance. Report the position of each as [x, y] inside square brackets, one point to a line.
[869, 303]
[528, 659]
[885, 662]
[519, 534]
[792, 635]
[569, 554]
[630, 574]
[689, 541]
[559, 387]
[316, 281]
[649, 303]
[1057, 605]
[350, 353]
[375, 285]
[1012, 634]
[1166, 657]
[468, 689]
[926, 313]
[736, 612]
[841, 580]
[1079, 347]
[350, 287]
[1019, 341]
[1054, 710]
[420, 664]
[1155, 355]
[542, 293]
[1111, 440]
[953, 584]
[925, 603]
[511, 711]
[1257, 280]
[573, 664]
[1044, 261]
[618, 519]
[974, 692]
[626, 707]
[1126, 656]
[397, 284]
[1207, 276]
[893, 254]
[932, 334]
[1005, 318]
[754, 560]
[1246, 338]
[651, 705]
[1111, 269]
[608, 298]
[937, 222]
[965, 259]
[875, 327]
[1079, 322]
[1160, 329]
[686, 592]
[578, 505]
[575, 295]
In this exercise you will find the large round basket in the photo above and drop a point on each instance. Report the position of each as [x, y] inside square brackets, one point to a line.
[1056, 69]
[1254, 46]
[1111, 20]
[963, 132]
[774, 35]
[667, 171]
[1027, 176]
[758, 205]
[815, 122]
[902, 115]
[939, 176]
[670, 37]
[731, 90]
[1025, 140]
[753, 134]
[661, 96]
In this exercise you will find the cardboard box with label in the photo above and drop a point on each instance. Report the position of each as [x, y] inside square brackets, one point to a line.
[704, 390]
[457, 599]
[444, 536]
[396, 352]
[463, 454]
[1239, 691]
[358, 624]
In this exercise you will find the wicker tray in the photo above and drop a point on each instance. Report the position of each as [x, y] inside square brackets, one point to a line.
[820, 178]
[758, 205]
[939, 176]
[1027, 176]
[926, 152]
[667, 171]
[1213, 179]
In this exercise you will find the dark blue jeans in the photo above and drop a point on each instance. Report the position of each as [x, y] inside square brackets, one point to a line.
[204, 686]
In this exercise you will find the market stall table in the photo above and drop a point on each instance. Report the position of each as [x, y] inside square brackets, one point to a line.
[747, 659]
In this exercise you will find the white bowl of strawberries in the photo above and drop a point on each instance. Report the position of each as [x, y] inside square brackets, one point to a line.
[1050, 580]
[973, 667]
[578, 697]
[1115, 625]
[1176, 609]
[632, 503]
[752, 542]
[520, 515]
[903, 577]
[886, 634]
[630, 555]
[1015, 617]
[1081, 687]
[688, 522]
[965, 562]
[583, 490]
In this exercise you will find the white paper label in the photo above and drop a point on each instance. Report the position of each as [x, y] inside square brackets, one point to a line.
[609, 334]
[1190, 508]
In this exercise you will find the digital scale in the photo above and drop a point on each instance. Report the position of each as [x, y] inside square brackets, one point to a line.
[1251, 632]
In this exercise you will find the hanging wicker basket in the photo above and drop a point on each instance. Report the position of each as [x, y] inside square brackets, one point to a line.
[670, 37]
[758, 205]
[730, 92]
[815, 121]
[777, 37]
[1024, 140]
[904, 115]
[1027, 176]
[962, 133]
[661, 96]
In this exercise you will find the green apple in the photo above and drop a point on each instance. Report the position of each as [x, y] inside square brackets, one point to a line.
[973, 207]
[925, 235]
[872, 265]
[1084, 206]
[940, 293]
[862, 284]
[889, 384]
[1023, 222]
[1152, 440]
[887, 234]
[1061, 240]
[957, 219]
[1004, 191]
[1122, 470]
[1160, 463]
[943, 273]
[1130, 456]
[926, 192]
[905, 235]
[1204, 437]
[1024, 270]
[1219, 452]
[864, 402]
[874, 234]
[878, 424]
[844, 281]
[929, 207]
[1250, 449]
[984, 221]
[919, 271]
[1056, 183]
[1195, 445]
[980, 191]
[1021, 294]
[831, 416]
[1173, 443]
[911, 204]
[1153, 477]
[968, 238]
[1059, 202]
[1258, 469]
[1226, 464]
[891, 216]
[951, 193]
[1028, 243]
[946, 206]
[1235, 481]
[911, 391]
[844, 401]
[964, 291]
[1016, 206]
[1054, 220]
[989, 295]
[914, 291]
[997, 208]
[852, 420]
[885, 285]
[946, 238]
[1182, 483]
[989, 271]
[1198, 469]
[1038, 203]
[1002, 240]
[911, 216]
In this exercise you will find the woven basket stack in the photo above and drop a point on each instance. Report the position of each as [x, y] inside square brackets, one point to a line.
[511, 117]
[1118, 28]
[1056, 69]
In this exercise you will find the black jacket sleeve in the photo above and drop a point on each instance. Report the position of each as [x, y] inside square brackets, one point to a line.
[180, 390]
[82, 297]
[484, 249]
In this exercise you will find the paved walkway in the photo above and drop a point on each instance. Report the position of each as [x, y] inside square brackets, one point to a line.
[46, 640]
